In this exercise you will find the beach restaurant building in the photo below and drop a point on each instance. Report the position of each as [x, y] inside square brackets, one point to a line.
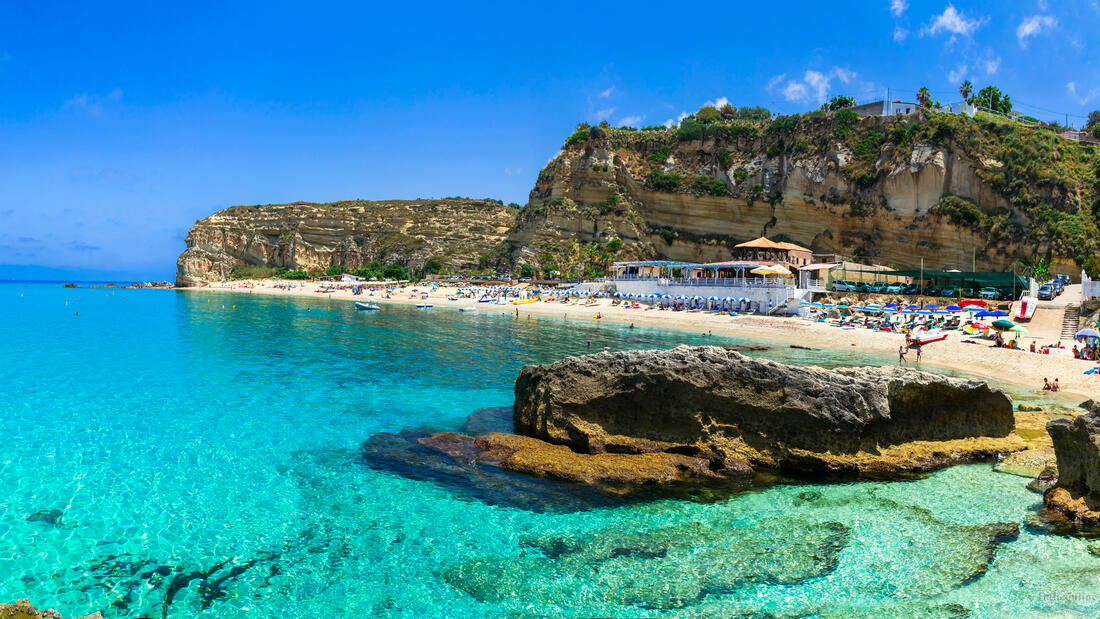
[754, 284]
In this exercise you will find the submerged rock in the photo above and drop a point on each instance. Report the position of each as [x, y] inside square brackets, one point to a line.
[734, 411]
[22, 609]
[1073, 504]
[668, 567]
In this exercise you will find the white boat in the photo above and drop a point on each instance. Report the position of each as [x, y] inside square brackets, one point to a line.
[423, 305]
[926, 337]
[1026, 308]
[359, 305]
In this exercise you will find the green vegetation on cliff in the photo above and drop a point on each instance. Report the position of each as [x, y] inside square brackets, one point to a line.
[1043, 193]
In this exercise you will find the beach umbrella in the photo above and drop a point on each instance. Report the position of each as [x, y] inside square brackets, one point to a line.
[941, 312]
[746, 300]
[972, 303]
[667, 296]
[857, 307]
[892, 306]
[984, 314]
[823, 305]
[912, 307]
[1002, 325]
[843, 306]
[932, 306]
[1087, 333]
[728, 299]
[712, 298]
[1018, 329]
[954, 308]
[697, 298]
[998, 313]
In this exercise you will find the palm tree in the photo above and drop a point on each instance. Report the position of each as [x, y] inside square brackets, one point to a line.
[923, 96]
[965, 89]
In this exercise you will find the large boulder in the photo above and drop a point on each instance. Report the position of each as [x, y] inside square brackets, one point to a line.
[1075, 499]
[731, 409]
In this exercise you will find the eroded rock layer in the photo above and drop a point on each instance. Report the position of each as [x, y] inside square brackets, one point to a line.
[738, 412]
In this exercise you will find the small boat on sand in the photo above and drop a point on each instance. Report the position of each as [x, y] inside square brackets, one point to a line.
[1026, 308]
[359, 305]
[523, 301]
[926, 337]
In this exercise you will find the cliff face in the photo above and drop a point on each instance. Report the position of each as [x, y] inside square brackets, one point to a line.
[875, 190]
[459, 233]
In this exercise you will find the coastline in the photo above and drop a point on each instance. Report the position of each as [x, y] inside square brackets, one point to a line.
[1019, 368]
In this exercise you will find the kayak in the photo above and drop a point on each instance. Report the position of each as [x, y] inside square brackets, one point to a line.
[359, 305]
[524, 301]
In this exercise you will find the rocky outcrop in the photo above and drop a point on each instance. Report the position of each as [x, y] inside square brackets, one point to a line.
[802, 184]
[1074, 502]
[734, 411]
[460, 233]
[22, 609]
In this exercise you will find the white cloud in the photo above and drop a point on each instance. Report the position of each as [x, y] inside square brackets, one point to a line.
[607, 93]
[630, 120]
[957, 74]
[953, 22]
[604, 114]
[992, 65]
[672, 123]
[815, 86]
[92, 105]
[897, 7]
[1071, 88]
[513, 171]
[1032, 26]
[719, 102]
[900, 34]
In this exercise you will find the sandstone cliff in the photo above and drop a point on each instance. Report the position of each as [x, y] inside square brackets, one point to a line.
[948, 189]
[460, 233]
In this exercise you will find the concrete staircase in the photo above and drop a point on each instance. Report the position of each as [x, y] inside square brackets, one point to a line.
[1070, 321]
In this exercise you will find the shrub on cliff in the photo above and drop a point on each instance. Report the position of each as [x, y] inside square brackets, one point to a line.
[712, 186]
[663, 182]
[577, 137]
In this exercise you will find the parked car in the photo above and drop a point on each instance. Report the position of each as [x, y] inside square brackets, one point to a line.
[895, 289]
[911, 289]
[989, 293]
[1059, 287]
[840, 286]
[877, 287]
[1046, 292]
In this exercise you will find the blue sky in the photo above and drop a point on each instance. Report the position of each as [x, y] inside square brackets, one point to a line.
[121, 124]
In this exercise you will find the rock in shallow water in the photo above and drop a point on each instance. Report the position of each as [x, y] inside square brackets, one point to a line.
[731, 409]
[1073, 505]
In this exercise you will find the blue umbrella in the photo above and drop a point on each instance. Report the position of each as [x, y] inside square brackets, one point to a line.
[954, 308]
[856, 307]
[824, 305]
[984, 314]
[932, 307]
[941, 312]
[912, 307]
[998, 313]
[667, 296]
[1087, 333]
[891, 306]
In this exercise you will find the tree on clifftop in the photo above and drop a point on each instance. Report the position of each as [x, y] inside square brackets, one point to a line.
[923, 96]
[991, 97]
[965, 89]
[708, 114]
[1094, 119]
[840, 101]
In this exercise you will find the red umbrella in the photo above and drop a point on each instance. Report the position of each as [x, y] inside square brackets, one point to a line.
[974, 302]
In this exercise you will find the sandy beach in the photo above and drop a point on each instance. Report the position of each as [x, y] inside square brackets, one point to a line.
[960, 353]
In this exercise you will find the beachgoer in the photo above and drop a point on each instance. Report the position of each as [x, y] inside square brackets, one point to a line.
[631, 326]
[901, 354]
[1032, 345]
[918, 353]
[1046, 384]
[1054, 385]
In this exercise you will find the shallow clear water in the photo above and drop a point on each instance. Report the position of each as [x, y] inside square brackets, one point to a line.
[180, 454]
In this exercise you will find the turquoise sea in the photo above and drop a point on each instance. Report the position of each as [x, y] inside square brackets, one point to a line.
[183, 454]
